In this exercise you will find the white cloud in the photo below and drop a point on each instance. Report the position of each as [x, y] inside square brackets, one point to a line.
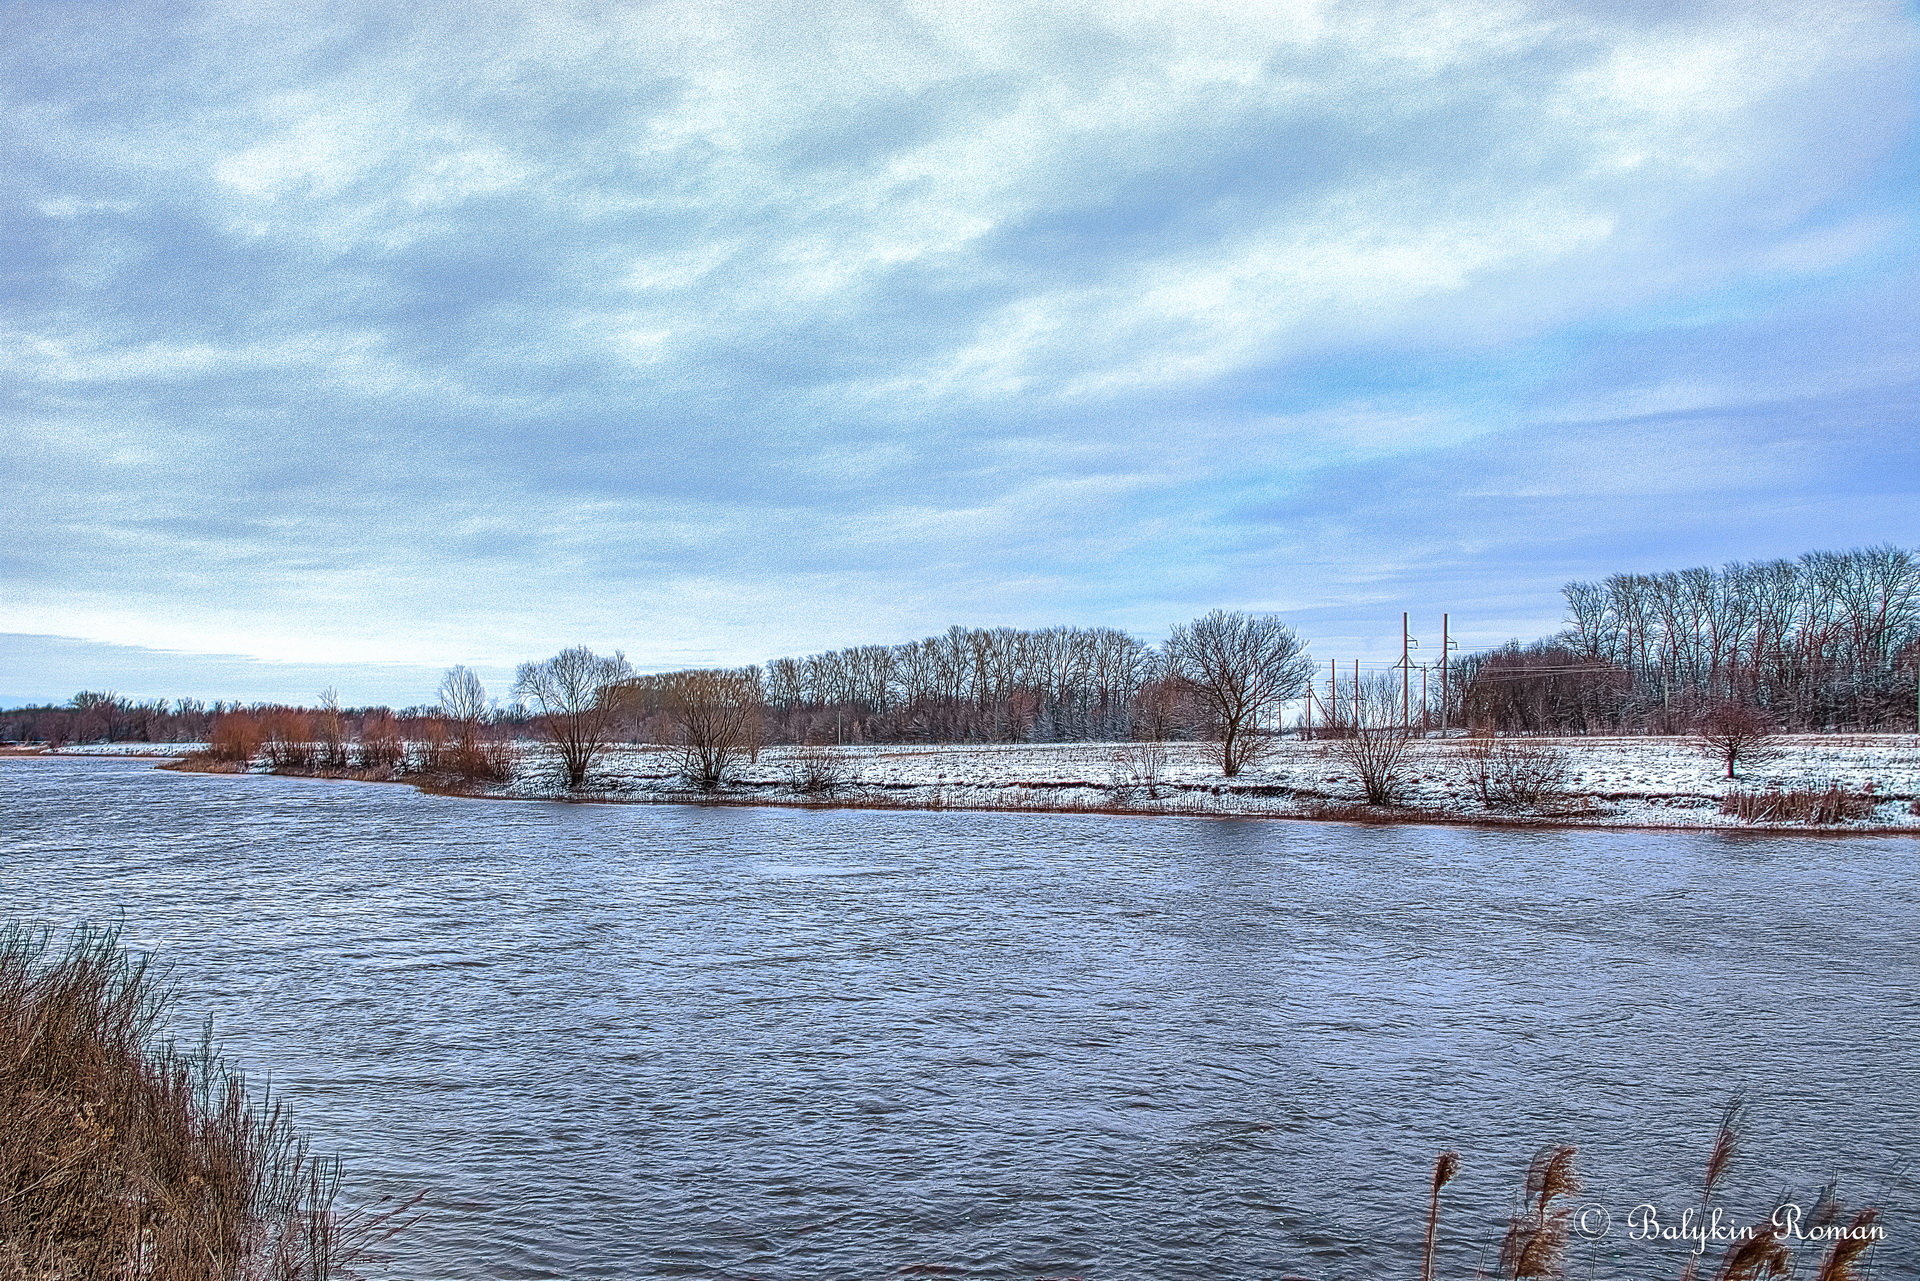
[539, 316]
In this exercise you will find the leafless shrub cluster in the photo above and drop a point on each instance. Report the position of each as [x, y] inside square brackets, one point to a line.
[1370, 740]
[1138, 769]
[1515, 773]
[1815, 806]
[122, 1159]
[815, 770]
[381, 746]
[235, 738]
[287, 735]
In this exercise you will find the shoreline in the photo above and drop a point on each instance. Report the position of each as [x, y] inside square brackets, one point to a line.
[1252, 797]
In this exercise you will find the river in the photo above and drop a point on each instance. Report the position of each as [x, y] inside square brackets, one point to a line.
[639, 1041]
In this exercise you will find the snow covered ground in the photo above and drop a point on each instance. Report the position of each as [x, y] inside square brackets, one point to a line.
[131, 749]
[1612, 781]
[1664, 782]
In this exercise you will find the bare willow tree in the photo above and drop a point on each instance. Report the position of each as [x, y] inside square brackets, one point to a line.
[716, 716]
[1241, 666]
[575, 702]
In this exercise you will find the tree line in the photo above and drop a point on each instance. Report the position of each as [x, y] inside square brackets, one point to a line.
[1827, 641]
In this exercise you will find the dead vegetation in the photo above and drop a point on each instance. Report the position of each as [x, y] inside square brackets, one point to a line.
[1371, 738]
[817, 770]
[122, 1157]
[1139, 770]
[1516, 773]
[1544, 1224]
[1736, 734]
[1815, 805]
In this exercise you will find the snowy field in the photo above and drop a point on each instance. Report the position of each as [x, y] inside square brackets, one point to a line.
[1662, 782]
[1611, 781]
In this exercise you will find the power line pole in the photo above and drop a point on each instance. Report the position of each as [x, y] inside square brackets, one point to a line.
[1407, 642]
[1447, 646]
[1333, 691]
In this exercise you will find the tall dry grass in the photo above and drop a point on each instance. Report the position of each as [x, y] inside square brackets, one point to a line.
[1541, 1229]
[1813, 805]
[122, 1157]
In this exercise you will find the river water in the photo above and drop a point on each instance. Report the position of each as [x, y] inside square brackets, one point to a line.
[648, 1041]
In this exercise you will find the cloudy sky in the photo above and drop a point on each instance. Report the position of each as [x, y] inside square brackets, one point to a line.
[343, 341]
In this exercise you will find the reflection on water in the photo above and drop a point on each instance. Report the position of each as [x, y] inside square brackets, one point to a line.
[657, 1041]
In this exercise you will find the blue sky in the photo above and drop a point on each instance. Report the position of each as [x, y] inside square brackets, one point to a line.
[345, 342]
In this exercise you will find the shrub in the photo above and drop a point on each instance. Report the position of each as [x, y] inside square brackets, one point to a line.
[235, 737]
[120, 1157]
[482, 762]
[817, 771]
[1139, 766]
[288, 735]
[1371, 739]
[380, 743]
[1515, 773]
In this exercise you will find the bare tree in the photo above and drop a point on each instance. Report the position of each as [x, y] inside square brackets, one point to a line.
[330, 730]
[716, 716]
[1736, 733]
[1370, 738]
[1241, 666]
[463, 701]
[463, 704]
[575, 698]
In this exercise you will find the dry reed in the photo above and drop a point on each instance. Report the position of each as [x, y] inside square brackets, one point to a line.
[1537, 1237]
[1815, 806]
[121, 1157]
[1445, 1166]
[1536, 1240]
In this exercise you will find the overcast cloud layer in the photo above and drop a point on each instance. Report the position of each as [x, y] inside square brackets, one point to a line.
[337, 334]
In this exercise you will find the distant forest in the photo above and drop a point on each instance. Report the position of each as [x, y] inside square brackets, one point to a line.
[1830, 641]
